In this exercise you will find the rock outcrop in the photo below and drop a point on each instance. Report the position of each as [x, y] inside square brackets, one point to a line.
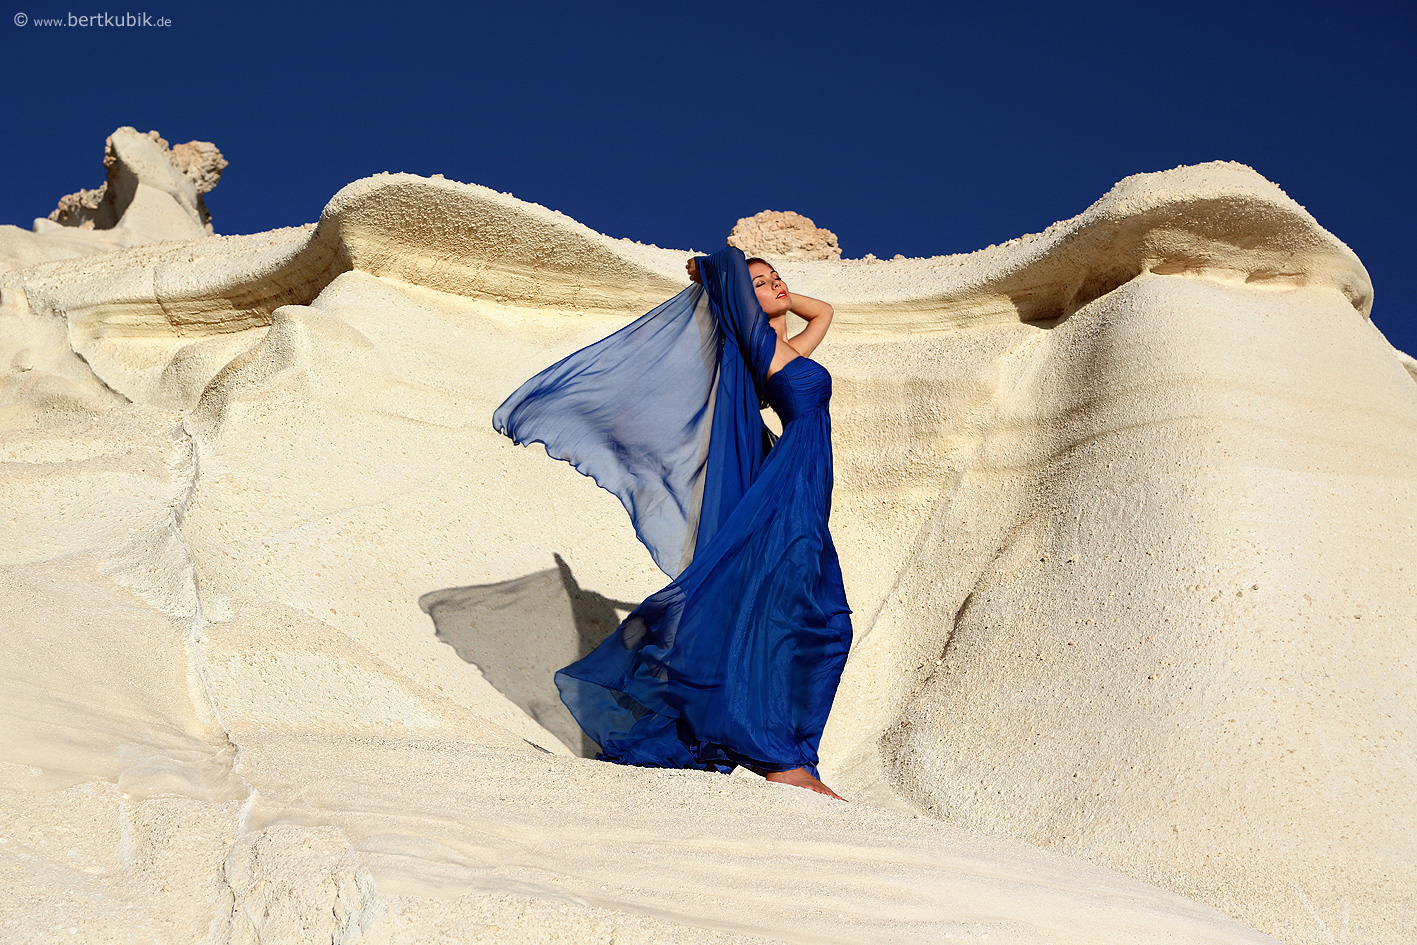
[152, 194]
[1106, 504]
[136, 163]
[783, 234]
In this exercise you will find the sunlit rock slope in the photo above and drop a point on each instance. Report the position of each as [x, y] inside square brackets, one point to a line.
[1126, 511]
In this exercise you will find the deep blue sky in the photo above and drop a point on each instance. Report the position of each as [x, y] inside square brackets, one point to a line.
[919, 128]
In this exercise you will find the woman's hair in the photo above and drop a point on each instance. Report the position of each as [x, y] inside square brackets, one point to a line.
[759, 259]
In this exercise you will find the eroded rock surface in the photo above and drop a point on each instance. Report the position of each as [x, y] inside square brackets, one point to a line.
[151, 194]
[783, 234]
[1106, 504]
[133, 161]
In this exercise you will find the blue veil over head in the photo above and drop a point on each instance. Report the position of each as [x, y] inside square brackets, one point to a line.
[664, 413]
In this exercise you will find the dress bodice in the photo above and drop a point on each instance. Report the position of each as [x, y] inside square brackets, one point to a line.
[799, 386]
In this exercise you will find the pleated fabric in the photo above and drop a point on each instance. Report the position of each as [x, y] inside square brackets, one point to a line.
[737, 659]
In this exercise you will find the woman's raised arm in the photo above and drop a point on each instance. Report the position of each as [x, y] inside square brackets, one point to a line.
[817, 314]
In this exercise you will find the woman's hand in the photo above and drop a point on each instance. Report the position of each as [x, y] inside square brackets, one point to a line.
[693, 268]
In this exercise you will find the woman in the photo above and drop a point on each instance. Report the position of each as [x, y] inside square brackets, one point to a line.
[736, 661]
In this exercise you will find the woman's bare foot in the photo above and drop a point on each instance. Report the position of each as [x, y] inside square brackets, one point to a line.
[798, 777]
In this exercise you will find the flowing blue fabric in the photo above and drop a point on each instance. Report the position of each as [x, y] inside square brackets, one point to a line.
[737, 660]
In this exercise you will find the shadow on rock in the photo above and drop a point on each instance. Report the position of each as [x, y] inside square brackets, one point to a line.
[519, 632]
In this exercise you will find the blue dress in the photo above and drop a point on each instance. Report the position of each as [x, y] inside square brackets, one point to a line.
[736, 661]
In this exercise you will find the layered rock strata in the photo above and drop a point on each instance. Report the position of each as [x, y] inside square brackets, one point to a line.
[1107, 499]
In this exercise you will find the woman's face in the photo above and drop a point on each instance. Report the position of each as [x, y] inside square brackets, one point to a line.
[772, 291]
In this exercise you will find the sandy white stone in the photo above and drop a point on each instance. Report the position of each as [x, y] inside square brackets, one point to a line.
[1125, 510]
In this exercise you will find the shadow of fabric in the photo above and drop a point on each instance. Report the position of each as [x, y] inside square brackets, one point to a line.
[519, 632]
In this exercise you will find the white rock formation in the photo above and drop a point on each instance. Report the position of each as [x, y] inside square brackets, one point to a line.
[783, 234]
[151, 194]
[1107, 503]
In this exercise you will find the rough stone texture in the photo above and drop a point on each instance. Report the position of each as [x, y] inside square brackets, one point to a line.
[86, 209]
[130, 161]
[201, 162]
[783, 234]
[151, 195]
[1107, 499]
